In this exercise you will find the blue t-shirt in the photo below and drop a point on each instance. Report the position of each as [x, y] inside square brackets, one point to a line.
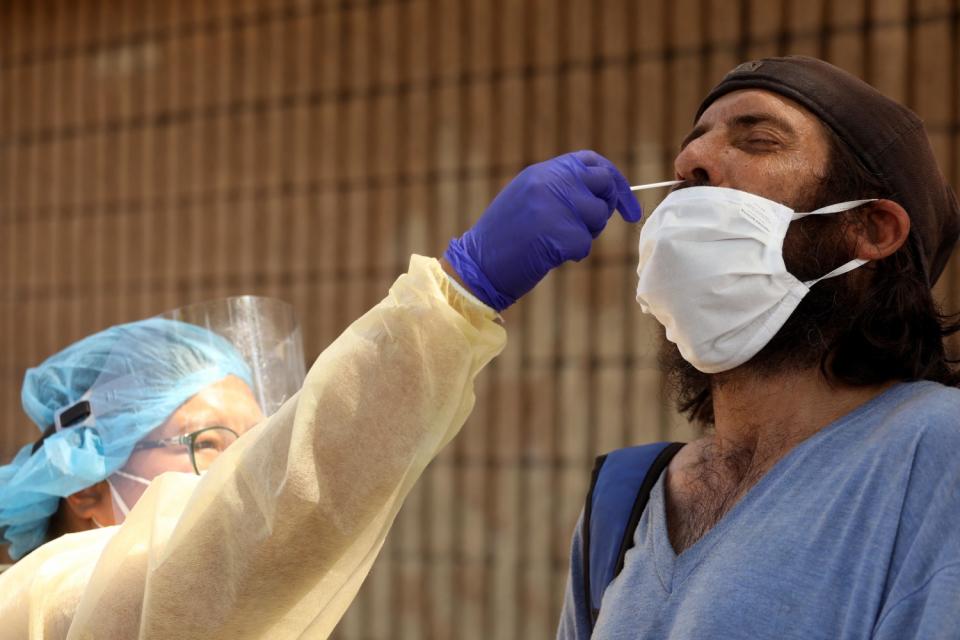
[855, 533]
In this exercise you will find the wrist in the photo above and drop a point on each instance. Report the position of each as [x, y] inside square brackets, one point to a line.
[450, 271]
[457, 285]
[458, 262]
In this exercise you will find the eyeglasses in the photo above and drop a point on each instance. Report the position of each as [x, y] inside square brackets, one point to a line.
[204, 445]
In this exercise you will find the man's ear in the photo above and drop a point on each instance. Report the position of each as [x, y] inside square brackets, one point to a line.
[880, 230]
[93, 503]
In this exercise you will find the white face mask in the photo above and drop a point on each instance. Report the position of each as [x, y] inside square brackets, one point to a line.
[711, 271]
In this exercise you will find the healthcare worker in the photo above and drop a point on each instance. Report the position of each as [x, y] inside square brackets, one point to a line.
[122, 406]
[276, 537]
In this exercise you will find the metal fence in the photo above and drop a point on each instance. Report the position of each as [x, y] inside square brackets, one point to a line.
[162, 152]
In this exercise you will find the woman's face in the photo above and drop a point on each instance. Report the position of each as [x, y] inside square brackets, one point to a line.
[228, 403]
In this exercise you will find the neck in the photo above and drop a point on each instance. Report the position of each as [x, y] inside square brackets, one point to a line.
[767, 415]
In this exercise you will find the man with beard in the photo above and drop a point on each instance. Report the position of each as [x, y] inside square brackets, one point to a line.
[822, 501]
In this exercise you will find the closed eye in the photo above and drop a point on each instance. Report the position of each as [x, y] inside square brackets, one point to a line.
[755, 144]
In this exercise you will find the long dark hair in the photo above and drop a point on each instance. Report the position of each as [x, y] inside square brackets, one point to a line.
[889, 328]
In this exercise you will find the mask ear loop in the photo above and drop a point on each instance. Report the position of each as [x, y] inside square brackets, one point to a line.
[840, 207]
[120, 502]
[130, 476]
[839, 271]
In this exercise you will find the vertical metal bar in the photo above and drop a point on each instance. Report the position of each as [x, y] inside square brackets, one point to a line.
[124, 221]
[705, 52]
[744, 41]
[427, 482]
[403, 114]
[558, 350]
[56, 314]
[371, 183]
[401, 125]
[631, 165]
[16, 256]
[593, 415]
[100, 188]
[867, 28]
[417, 567]
[953, 171]
[8, 438]
[183, 161]
[147, 158]
[32, 187]
[262, 230]
[401, 159]
[472, 178]
[470, 41]
[162, 184]
[910, 97]
[216, 137]
[342, 224]
[225, 76]
[488, 603]
[783, 34]
[955, 90]
[286, 98]
[823, 40]
[342, 228]
[529, 367]
[667, 144]
[369, 188]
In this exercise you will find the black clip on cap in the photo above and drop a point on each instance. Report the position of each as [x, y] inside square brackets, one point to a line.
[68, 417]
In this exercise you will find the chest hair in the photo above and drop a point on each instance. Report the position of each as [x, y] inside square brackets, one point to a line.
[701, 492]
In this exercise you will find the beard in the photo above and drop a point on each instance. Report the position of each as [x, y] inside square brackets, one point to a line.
[813, 247]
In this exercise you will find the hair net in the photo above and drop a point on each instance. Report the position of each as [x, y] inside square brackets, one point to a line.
[134, 376]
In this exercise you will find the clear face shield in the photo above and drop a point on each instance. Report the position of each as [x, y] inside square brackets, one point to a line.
[214, 371]
[266, 333]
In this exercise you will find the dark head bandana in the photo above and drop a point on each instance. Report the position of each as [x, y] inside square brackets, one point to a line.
[886, 137]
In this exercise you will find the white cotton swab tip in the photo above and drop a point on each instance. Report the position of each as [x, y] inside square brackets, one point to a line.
[655, 185]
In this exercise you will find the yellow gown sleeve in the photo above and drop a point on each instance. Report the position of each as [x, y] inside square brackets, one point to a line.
[275, 540]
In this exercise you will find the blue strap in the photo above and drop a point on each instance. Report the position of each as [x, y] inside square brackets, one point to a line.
[617, 481]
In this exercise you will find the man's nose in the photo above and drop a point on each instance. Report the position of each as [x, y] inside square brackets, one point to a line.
[700, 162]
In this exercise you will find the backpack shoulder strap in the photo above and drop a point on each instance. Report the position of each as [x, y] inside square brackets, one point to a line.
[619, 491]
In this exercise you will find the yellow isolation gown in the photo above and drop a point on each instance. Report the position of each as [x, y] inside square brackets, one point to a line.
[275, 540]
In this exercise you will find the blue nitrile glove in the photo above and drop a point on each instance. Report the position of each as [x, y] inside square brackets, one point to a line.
[548, 214]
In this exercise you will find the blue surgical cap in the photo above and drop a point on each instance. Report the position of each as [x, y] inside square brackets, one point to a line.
[134, 376]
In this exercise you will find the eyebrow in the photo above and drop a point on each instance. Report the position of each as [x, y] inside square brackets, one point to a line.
[745, 121]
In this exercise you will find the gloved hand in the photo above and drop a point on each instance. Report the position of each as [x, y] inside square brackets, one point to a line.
[548, 214]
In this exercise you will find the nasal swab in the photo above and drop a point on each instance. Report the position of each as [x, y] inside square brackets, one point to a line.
[655, 185]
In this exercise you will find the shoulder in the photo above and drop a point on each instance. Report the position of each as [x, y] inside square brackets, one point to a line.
[918, 435]
[912, 431]
[50, 581]
[925, 413]
[928, 398]
[926, 445]
[49, 558]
